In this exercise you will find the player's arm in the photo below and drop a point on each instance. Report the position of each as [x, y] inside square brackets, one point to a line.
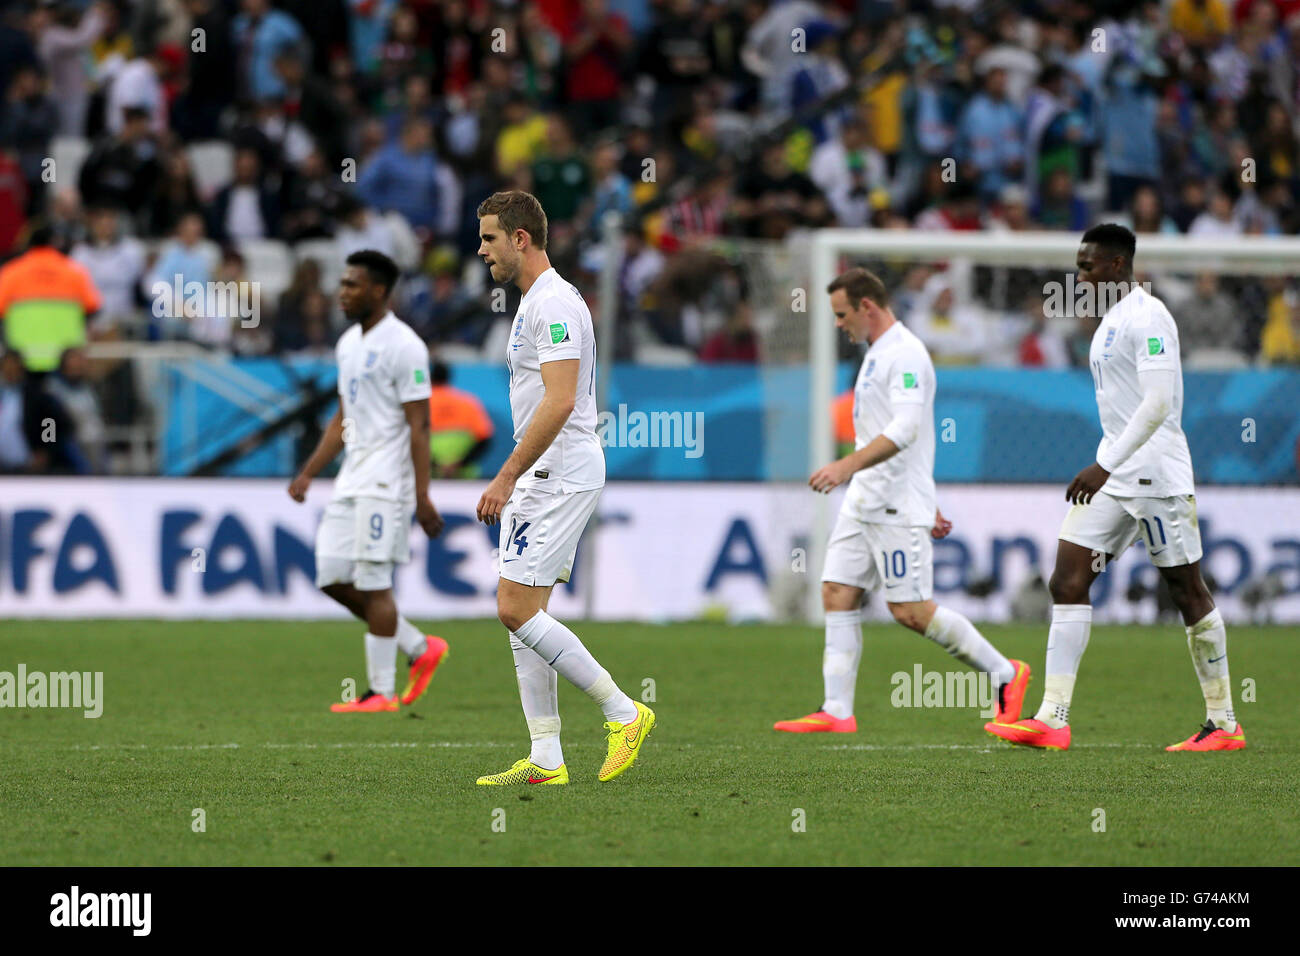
[560, 382]
[327, 449]
[417, 418]
[1155, 347]
[1157, 400]
[907, 402]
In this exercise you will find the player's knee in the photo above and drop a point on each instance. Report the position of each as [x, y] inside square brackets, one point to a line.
[911, 616]
[839, 597]
[1068, 587]
[512, 615]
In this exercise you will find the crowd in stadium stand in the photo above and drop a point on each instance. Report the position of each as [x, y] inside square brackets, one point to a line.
[229, 139]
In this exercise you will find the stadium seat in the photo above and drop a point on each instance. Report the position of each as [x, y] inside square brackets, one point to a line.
[328, 256]
[213, 164]
[69, 153]
[268, 263]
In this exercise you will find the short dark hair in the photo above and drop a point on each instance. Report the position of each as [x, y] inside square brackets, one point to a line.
[859, 284]
[440, 372]
[516, 209]
[1114, 238]
[382, 269]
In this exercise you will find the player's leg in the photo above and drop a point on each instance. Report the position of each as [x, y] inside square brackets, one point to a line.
[904, 558]
[1091, 536]
[846, 577]
[1173, 541]
[423, 651]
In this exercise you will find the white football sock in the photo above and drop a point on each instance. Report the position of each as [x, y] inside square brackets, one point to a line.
[410, 638]
[560, 648]
[960, 638]
[840, 661]
[1066, 641]
[1207, 639]
[381, 664]
[539, 695]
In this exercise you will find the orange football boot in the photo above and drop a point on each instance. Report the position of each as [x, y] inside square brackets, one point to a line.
[367, 703]
[1011, 695]
[1211, 737]
[819, 722]
[422, 668]
[1032, 733]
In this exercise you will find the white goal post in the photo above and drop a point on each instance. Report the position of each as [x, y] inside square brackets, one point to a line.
[832, 250]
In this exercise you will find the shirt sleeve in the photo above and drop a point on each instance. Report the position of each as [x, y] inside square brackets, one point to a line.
[411, 372]
[910, 378]
[1155, 344]
[557, 331]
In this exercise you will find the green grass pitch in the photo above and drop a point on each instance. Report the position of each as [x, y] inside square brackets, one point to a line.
[232, 718]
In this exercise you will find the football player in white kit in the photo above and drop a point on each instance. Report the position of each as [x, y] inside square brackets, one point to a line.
[546, 491]
[382, 426]
[881, 539]
[1140, 487]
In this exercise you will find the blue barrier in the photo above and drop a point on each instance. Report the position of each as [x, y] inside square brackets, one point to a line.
[994, 425]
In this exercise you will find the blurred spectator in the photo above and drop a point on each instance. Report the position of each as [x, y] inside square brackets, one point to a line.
[123, 170]
[362, 228]
[13, 201]
[45, 298]
[522, 137]
[1280, 340]
[1041, 346]
[313, 200]
[302, 315]
[459, 427]
[1146, 214]
[181, 261]
[174, 195]
[1217, 220]
[773, 199]
[209, 90]
[408, 178]
[1131, 146]
[115, 263]
[953, 332]
[611, 191]
[435, 304]
[1202, 23]
[1207, 318]
[36, 434]
[990, 140]
[248, 208]
[258, 34]
[559, 176]
[71, 388]
[734, 342]
[138, 85]
[846, 169]
[818, 75]
[1059, 207]
[64, 34]
[27, 124]
[595, 49]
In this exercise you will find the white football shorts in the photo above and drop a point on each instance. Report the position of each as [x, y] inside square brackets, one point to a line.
[897, 560]
[540, 532]
[1167, 526]
[359, 541]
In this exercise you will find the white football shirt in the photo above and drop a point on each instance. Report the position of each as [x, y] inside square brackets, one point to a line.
[896, 371]
[1138, 333]
[378, 373]
[552, 324]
